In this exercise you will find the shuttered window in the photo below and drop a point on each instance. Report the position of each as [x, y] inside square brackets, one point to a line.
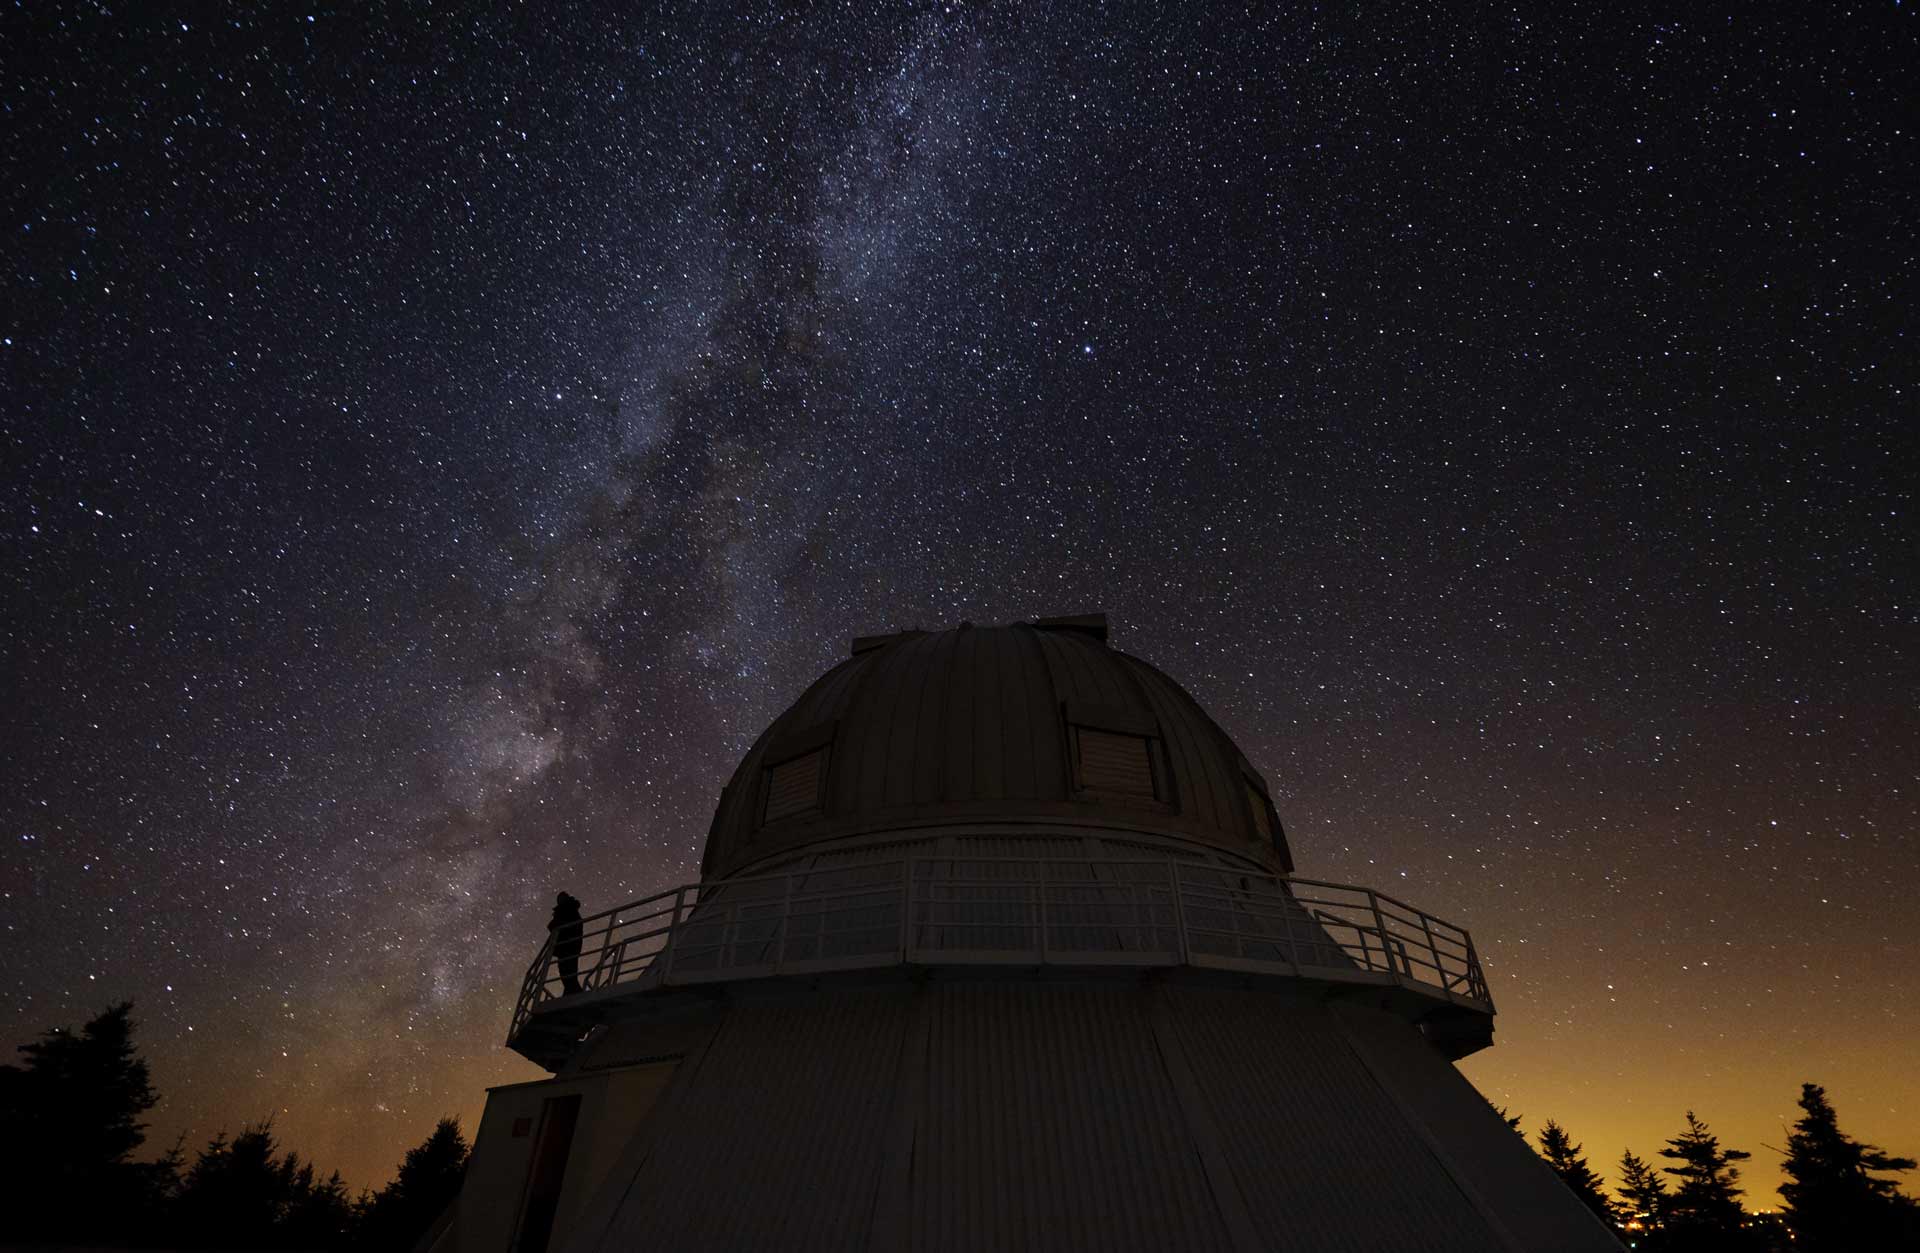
[793, 786]
[1115, 763]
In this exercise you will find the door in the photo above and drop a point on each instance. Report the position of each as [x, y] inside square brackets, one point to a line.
[547, 1174]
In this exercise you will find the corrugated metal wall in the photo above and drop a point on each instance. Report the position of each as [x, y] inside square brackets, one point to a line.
[776, 1136]
[1480, 1147]
[1323, 1156]
[1049, 1124]
[1015, 1114]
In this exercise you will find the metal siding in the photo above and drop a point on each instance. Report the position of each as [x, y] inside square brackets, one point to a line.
[1219, 766]
[1262, 821]
[1325, 1159]
[989, 739]
[1047, 1115]
[1017, 680]
[957, 782]
[1064, 845]
[900, 731]
[1096, 670]
[930, 724]
[1215, 774]
[973, 716]
[738, 815]
[1189, 792]
[1048, 735]
[1059, 669]
[878, 703]
[778, 1142]
[827, 699]
[1220, 760]
[1496, 1163]
[1050, 1124]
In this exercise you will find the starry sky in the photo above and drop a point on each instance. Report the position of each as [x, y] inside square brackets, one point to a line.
[436, 440]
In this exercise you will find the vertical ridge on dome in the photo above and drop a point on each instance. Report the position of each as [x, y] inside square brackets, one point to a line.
[1042, 712]
[957, 781]
[932, 719]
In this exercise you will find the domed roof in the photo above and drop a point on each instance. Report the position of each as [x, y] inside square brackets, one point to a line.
[1035, 722]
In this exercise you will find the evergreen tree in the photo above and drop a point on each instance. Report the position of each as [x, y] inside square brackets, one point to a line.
[243, 1194]
[1644, 1190]
[69, 1125]
[1704, 1213]
[1834, 1202]
[429, 1180]
[318, 1215]
[1561, 1153]
[235, 1193]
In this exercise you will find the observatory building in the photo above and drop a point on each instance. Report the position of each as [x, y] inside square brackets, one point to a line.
[997, 945]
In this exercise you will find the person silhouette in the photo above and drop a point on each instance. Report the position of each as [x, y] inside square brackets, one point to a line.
[565, 928]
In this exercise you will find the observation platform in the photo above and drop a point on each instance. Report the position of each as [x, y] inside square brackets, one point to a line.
[960, 914]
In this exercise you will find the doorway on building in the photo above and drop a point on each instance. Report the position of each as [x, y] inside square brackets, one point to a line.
[552, 1142]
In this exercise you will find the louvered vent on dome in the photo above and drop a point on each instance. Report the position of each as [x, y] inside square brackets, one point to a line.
[793, 786]
[1114, 763]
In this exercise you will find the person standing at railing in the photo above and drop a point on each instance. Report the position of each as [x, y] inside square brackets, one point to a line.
[564, 926]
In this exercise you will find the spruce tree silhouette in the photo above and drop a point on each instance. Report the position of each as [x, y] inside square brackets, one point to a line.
[69, 1125]
[1834, 1202]
[241, 1193]
[1561, 1153]
[1645, 1193]
[235, 1193]
[427, 1184]
[1704, 1214]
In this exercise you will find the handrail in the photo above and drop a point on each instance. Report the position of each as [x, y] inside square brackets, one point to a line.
[1018, 910]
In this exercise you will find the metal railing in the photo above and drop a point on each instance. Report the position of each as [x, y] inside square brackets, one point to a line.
[1008, 911]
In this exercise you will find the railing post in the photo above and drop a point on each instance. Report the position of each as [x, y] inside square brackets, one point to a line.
[673, 933]
[1433, 950]
[1287, 912]
[786, 925]
[906, 907]
[1041, 913]
[1179, 913]
[1380, 930]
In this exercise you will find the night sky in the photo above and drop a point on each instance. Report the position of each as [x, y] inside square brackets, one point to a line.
[435, 443]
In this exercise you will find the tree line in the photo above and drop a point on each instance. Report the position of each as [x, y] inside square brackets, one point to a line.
[1836, 1199]
[70, 1128]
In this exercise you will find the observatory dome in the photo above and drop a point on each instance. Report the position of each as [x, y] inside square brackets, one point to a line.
[998, 946]
[1037, 722]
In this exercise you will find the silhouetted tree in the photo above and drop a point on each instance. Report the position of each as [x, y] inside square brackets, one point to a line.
[158, 1184]
[1512, 1120]
[1834, 1202]
[69, 1124]
[1561, 1153]
[241, 1193]
[1645, 1193]
[235, 1193]
[1704, 1213]
[429, 1179]
[318, 1215]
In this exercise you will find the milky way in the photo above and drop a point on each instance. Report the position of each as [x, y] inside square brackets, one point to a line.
[435, 446]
